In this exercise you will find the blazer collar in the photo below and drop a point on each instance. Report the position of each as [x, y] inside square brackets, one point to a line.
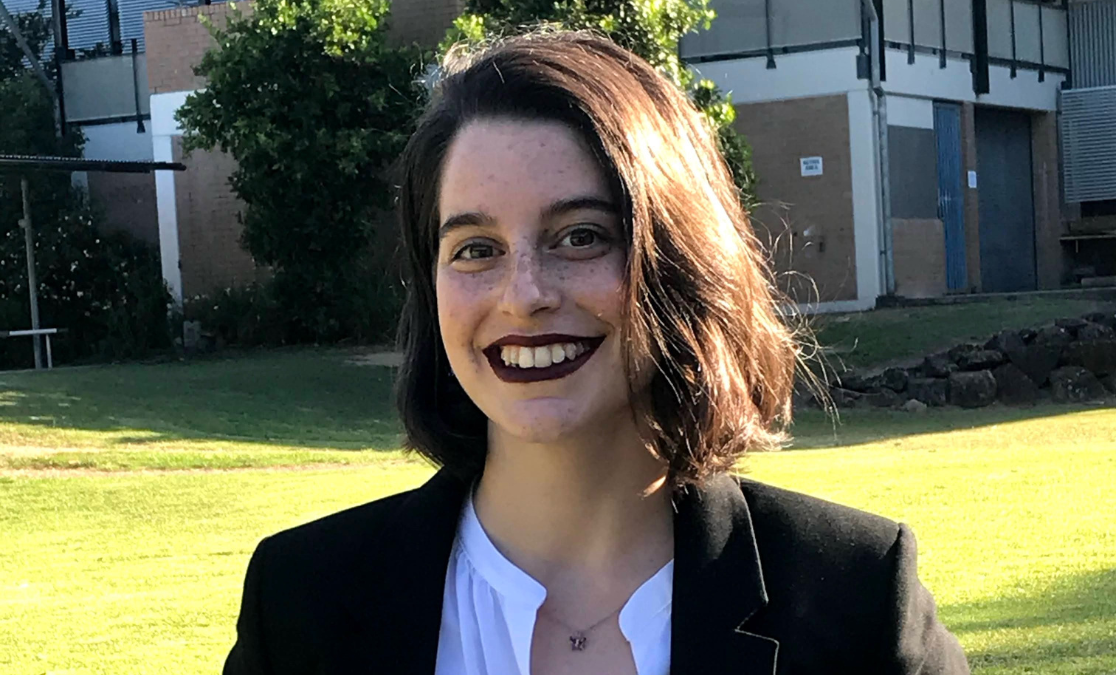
[718, 584]
[398, 582]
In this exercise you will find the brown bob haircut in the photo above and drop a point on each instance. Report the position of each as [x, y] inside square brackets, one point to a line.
[701, 329]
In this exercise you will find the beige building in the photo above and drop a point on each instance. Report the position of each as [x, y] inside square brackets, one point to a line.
[904, 147]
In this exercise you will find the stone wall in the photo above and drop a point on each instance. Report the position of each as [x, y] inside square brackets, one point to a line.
[1071, 360]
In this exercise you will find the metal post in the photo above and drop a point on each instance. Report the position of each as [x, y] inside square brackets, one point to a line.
[32, 282]
[942, 14]
[1014, 64]
[1042, 48]
[767, 24]
[50, 357]
[910, 22]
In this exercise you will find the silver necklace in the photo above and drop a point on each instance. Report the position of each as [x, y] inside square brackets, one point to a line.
[579, 639]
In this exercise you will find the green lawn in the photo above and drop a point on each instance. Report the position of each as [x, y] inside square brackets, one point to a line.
[890, 335]
[120, 567]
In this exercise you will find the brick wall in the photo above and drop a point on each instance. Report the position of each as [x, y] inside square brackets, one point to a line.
[807, 221]
[128, 202]
[918, 248]
[423, 22]
[177, 40]
[210, 255]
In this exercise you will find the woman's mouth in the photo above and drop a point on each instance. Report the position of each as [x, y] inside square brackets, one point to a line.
[539, 358]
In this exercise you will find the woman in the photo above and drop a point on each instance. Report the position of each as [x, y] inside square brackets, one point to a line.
[590, 344]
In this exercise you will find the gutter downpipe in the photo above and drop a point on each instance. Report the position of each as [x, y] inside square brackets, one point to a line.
[879, 113]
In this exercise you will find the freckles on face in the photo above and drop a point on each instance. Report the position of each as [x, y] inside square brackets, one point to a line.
[530, 246]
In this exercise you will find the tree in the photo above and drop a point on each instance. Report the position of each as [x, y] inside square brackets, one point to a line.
[650, 28]
[107, 290]
[314, 106]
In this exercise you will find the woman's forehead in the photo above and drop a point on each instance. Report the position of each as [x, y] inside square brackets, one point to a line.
[505, 164]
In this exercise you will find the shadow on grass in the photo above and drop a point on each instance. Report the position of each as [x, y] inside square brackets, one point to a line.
[1068, 627]
[305, 398]
[815, 429]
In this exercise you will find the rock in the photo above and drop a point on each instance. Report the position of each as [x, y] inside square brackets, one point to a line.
[957, 351]
[938, 365]
[980, 360]
[931, 391]
[1071, 325]
[1053, 336]
[1098, 356]
[1036, 361]
[1006, 341]
[894, 379]
[1102, 318]
[1095, 331]
[859, 382]
[1014, 387]
[883, 398]
[844, 398]
[914, 406]
[1072, 384]
[1028, 335]
[972, 389]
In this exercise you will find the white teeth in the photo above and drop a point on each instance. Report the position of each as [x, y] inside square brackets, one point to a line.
[541, 357]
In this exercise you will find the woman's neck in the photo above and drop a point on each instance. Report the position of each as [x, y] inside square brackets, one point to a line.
[598, 507]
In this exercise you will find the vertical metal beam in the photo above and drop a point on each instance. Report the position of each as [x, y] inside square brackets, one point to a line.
[135, 85]
[979, 64]
[1042, 47]
[1014, 64]
[910, 22]
[767, 23]
[941, 14]
[32, 281]
[881, 44]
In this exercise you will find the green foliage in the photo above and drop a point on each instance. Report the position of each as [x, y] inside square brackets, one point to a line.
[107, 290]
[315, 106]
[650, 28]
[36, 29]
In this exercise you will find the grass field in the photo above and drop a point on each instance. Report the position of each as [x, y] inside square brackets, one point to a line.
[892, 335]
[113, 564]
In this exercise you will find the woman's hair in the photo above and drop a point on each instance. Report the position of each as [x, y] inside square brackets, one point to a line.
[701, 334]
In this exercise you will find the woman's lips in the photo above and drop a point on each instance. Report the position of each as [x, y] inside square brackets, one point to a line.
[518, 375]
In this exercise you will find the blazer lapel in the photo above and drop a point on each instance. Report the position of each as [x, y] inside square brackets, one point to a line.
[718, 585]
[399, 578]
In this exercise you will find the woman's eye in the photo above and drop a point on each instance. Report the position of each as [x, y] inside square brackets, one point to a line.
[582, 238]
[475, 252]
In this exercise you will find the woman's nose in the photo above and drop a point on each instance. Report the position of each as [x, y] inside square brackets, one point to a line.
[528, 288]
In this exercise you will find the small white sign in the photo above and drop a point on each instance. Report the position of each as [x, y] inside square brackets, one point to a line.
[811, 166]
[972, 180]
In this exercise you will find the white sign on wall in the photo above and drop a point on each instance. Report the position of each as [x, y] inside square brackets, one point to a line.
[811, 166]
[972, 179]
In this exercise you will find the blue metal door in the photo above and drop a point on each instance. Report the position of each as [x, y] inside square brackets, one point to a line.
[951, 195]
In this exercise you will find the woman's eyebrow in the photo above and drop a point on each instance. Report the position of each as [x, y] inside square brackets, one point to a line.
[557, 208]
[578, 203]
[463, 220]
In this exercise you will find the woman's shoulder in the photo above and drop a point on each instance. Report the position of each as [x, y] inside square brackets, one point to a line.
[810, 523]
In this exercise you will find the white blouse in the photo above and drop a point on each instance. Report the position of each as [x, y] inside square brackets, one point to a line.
[490, 605]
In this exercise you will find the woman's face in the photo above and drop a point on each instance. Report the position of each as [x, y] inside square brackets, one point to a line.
[529, 280]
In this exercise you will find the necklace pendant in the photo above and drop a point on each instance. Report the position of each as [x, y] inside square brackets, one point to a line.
[578, 642]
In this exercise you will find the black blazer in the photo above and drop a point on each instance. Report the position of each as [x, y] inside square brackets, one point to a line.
[765, 581]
